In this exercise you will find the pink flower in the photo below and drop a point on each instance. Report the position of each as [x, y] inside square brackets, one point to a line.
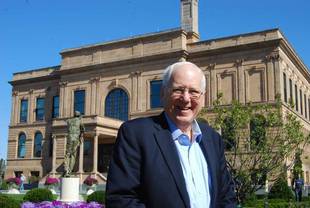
[14, 180]
[89, 181]
[51, 181]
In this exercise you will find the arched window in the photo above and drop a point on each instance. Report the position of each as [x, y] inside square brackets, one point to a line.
[258, 127]
[116, 105]
[21, 146]
[37, 146]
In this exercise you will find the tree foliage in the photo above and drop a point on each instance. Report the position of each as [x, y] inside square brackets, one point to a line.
[260, 141]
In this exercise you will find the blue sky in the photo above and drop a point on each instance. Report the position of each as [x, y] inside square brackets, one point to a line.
[33, 32]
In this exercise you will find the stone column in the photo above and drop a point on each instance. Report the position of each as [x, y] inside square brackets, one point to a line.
[135, 104]
[14, 107]
[213, 83]
[81, 158]
[240, 81]
[270, 79]
[95, 154]
[94, 82]
[31, 107]
[62, 99]
[54, 155]
[276, 62]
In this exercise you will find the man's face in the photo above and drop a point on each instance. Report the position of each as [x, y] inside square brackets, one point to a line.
[183, 100]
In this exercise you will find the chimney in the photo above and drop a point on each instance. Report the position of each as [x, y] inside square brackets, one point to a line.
[189, 19]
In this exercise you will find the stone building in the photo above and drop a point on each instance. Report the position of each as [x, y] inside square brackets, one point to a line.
[119, 80]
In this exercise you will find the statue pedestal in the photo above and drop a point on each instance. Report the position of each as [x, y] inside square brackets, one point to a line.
[69, 191]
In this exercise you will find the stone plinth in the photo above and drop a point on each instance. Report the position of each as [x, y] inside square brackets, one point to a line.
[69, 191]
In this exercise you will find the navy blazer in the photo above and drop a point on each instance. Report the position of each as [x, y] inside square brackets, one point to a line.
[145, 170]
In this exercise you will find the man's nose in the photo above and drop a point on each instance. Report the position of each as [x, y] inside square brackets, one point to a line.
[186, 96]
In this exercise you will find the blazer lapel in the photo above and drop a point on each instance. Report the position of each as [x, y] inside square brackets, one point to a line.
[208, 151]
[169, 152]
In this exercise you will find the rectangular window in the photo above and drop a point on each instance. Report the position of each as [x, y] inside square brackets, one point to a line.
[55, 113]
[285, 89]
[155, 93]
[23, 110]
[301, 109]
[87, 147]
[40, 109]
[296, 98]
[291, 90]
[79, 101]
[305, 99]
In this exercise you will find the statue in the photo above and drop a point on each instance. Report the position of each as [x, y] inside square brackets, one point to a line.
[74, 139]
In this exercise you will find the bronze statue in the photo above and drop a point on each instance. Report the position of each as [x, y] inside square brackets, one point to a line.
[74, 139]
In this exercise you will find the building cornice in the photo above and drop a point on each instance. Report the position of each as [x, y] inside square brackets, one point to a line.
[136, 38]
[137, 60]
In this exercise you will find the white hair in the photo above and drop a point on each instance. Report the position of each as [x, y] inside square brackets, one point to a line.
[170, 69]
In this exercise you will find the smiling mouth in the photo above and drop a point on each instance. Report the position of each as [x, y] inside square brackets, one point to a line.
[183, 109]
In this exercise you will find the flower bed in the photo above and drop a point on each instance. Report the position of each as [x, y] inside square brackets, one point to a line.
[90, 181]
[51, 181]
[13, 182]
[59, 204]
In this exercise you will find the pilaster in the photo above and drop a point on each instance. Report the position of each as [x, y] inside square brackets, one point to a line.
[95, 154]
[240, 80]
[62, 98]
[213, 87]
[54, 155]
[81, 158]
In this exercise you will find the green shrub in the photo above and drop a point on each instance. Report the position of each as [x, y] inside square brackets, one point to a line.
[97, 196]
[4, 186]
[8, 202]
[280, 190]
[39, 195]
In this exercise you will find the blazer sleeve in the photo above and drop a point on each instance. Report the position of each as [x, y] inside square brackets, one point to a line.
[227, 196]
[123, 183]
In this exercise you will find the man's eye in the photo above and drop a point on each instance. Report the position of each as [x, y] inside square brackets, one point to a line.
[177, 90]
[194, 92]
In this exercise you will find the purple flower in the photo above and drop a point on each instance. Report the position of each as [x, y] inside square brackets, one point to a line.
[59, 204]
[28, 205]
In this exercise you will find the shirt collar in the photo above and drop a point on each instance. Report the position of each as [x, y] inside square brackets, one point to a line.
[176, 132]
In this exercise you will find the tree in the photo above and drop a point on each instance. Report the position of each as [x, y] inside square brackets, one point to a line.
[2, 169]
[260, 141]
[297, 166]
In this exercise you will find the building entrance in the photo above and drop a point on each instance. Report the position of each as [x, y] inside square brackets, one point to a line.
[104, 155]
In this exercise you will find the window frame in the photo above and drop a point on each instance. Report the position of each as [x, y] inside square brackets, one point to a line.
[36, 145]
[40, 110]
[155, 101]
[55, 113]
[21, 146]
[23, 114]
[79, 105]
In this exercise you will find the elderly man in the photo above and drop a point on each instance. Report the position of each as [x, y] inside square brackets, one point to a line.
[170, 160]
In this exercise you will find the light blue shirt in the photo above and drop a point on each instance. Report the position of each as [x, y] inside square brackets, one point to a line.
[194, 164]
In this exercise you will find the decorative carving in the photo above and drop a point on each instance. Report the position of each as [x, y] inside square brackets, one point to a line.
[114, 83]
[94, 79]
[211, 66]
[238, 62]
[14, 93]
[63, 83]
[31, 91]
[272, 57]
